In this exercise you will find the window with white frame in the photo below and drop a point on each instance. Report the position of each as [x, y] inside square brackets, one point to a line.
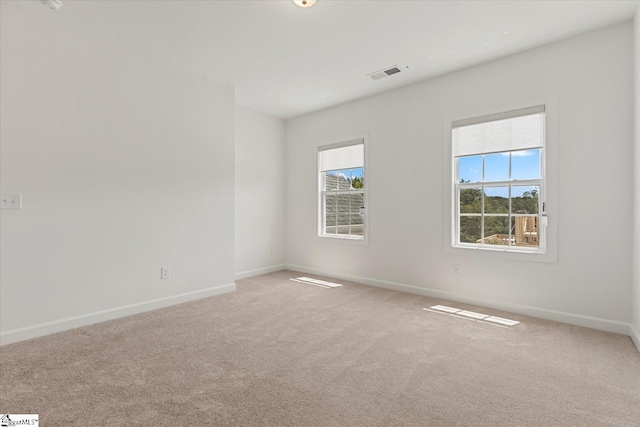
[342, 190]
[499, 181]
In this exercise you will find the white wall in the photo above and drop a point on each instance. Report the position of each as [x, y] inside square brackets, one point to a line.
[124, 167]
[636, 245]
[590, 79]
[259, 193]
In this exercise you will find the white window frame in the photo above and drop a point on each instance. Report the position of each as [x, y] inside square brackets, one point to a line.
[349, 239]
[547, 251]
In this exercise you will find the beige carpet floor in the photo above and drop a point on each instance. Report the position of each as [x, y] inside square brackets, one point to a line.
[282, 353]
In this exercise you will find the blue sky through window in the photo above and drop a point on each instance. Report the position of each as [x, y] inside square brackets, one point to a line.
[347, 173]
[525, 164]
[496, 167]
[470, 168]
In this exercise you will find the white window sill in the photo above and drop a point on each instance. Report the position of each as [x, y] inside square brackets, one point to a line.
[342, 238]
[500, 253]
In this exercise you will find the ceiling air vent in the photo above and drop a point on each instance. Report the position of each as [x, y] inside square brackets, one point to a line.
[384, 73]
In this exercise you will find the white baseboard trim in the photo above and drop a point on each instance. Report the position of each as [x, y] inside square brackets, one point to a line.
[21, 334]
[258, 271]
[542, 313]
[635, 336]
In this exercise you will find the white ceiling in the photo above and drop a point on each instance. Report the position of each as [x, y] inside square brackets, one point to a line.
[286, 61]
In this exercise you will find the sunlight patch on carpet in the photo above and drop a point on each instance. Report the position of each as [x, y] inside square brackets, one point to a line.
[316, 282]
[472, 315]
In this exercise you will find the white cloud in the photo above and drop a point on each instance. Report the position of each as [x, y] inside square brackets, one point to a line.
[524, 153]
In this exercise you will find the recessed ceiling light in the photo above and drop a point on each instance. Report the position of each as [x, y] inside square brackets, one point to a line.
[52, 4]
[304, 3]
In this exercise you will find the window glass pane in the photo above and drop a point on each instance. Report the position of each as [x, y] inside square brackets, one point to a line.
[343, 224]
[496, 230]
[496, 167]
[330, 212]
[331, 180]
[470, 229]
[471, 200]
[357, 219]
[525, 164]
[343, 221]
[343, 206]
[356, 202]
[344, 179]
[357, 178]
[525, 199]
[469, 169]
[525, 231]
[496, 200]
[357, 229]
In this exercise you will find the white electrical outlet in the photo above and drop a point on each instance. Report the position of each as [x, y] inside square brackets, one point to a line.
[11, 201]
[165, 272]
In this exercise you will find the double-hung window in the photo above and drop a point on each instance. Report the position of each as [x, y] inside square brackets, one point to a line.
[499, 181]
[342, 190]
